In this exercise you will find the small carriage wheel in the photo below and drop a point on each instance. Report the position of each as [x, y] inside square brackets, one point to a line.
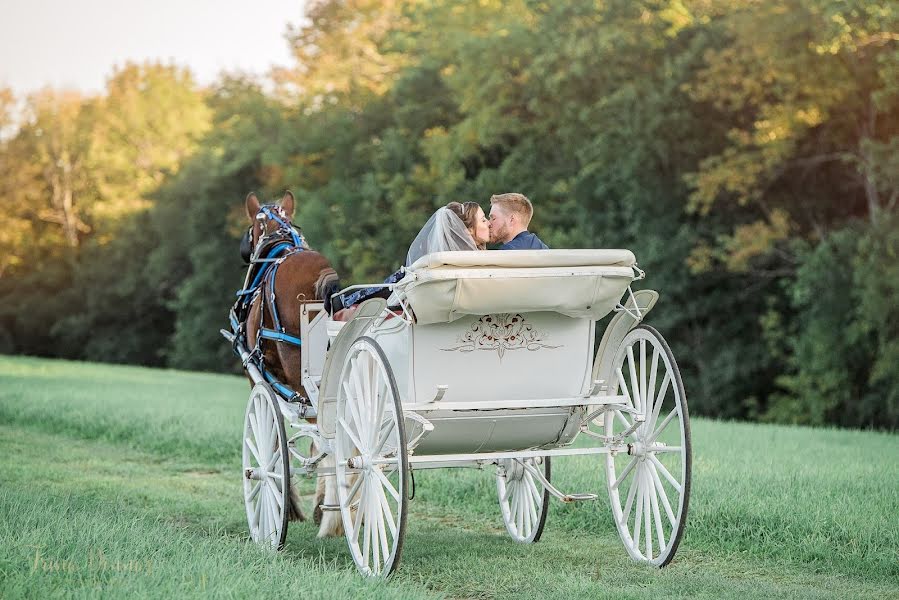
[523, 505]
[266, 468]
[653, 477]
[372, 464]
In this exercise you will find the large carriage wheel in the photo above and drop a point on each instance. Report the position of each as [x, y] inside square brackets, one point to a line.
[371, 459]
[649, 486]
[522, 498]
[266, 468]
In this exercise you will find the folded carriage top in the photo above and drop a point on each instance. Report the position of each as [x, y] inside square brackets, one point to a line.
[444, 286]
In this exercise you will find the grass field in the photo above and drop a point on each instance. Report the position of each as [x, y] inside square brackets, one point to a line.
[122, 481]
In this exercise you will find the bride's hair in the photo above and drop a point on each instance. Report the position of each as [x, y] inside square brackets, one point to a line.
[468, 212]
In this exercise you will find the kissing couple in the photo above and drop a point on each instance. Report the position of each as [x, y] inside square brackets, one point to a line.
[464, 226]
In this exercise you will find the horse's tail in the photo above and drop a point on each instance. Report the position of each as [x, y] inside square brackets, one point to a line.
[327, 283]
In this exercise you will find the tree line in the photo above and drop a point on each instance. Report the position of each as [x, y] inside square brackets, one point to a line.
[748, 154]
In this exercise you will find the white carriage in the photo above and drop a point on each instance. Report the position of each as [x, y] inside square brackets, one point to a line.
[489, 360]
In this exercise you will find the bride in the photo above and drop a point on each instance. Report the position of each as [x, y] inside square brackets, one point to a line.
[453, 227]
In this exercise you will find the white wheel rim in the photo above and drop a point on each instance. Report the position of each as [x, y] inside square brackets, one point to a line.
[653, 478]
[520, 499]
[371, 494]
[265, 472]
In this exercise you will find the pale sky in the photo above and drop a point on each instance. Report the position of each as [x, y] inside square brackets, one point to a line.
[76, 43]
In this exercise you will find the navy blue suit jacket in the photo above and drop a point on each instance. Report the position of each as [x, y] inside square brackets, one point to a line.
[524, 241]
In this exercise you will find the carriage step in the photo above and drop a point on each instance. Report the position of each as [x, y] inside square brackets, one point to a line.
[336, 507]
[579, 497]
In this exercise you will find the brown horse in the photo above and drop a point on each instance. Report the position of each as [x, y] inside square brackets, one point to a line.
[305, 275]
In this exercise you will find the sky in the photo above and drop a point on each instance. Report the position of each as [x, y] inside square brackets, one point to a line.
[76, 43]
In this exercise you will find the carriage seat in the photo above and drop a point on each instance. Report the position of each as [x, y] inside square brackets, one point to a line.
[444, 286]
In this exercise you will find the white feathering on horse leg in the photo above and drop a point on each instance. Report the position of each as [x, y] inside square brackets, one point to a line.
[294, 511]
[331, 521]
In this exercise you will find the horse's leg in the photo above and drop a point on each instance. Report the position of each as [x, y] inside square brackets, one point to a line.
[331, 522]
[319, 496]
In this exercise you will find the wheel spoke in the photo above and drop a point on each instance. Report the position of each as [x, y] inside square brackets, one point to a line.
[508, 490]
[366, 533]
[660, 400]
[385, 435]
[366, 377]
[257, 507]
[263, 513]
[372, 526]
[380, 401]
[652, 438]
[662, 495]
[631, 493]
[622, 385]
[276, 493]
[273, 515]
[532, 507]
[643, 395]
[382, 530]
[623, 419]
[651, 391]
[665, 473]
[360, 512]
[660, 532]
[635, 389]
[519, 508]
[353, 491]
[254, 490]
[388, 514]
[630, 466]
[387, 484]
[532, 486]
[253, 450]
[273, 461]
[360, 404]
[646, 522]
[264, 441]
[351, 402]
[350, 434]
[513, 509]
[639, 510]
[273, 433]
[257, 436]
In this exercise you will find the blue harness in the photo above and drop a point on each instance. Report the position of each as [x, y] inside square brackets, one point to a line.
[287, 242]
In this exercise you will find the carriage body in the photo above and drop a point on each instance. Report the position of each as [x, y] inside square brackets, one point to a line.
[496, 349]
[492, 358]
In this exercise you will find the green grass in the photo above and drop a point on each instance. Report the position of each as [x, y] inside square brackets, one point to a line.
[121, 480]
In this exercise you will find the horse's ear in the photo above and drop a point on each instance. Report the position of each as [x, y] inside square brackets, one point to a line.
[288, 203]
[252, 206]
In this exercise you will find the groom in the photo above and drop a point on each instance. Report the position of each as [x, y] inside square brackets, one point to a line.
[510, 215]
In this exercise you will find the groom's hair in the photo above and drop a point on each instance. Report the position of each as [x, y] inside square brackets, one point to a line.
[516, 203]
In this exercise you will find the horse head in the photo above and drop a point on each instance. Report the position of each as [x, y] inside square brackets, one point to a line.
[269, 223]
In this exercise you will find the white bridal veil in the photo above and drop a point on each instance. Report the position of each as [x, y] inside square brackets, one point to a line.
[444, 231]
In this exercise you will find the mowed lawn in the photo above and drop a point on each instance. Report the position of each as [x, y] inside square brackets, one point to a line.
[122, 481]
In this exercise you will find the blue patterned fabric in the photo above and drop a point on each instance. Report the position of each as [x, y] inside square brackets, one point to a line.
[364, 294]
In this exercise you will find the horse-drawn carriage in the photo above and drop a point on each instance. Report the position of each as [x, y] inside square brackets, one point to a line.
[476, 359]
